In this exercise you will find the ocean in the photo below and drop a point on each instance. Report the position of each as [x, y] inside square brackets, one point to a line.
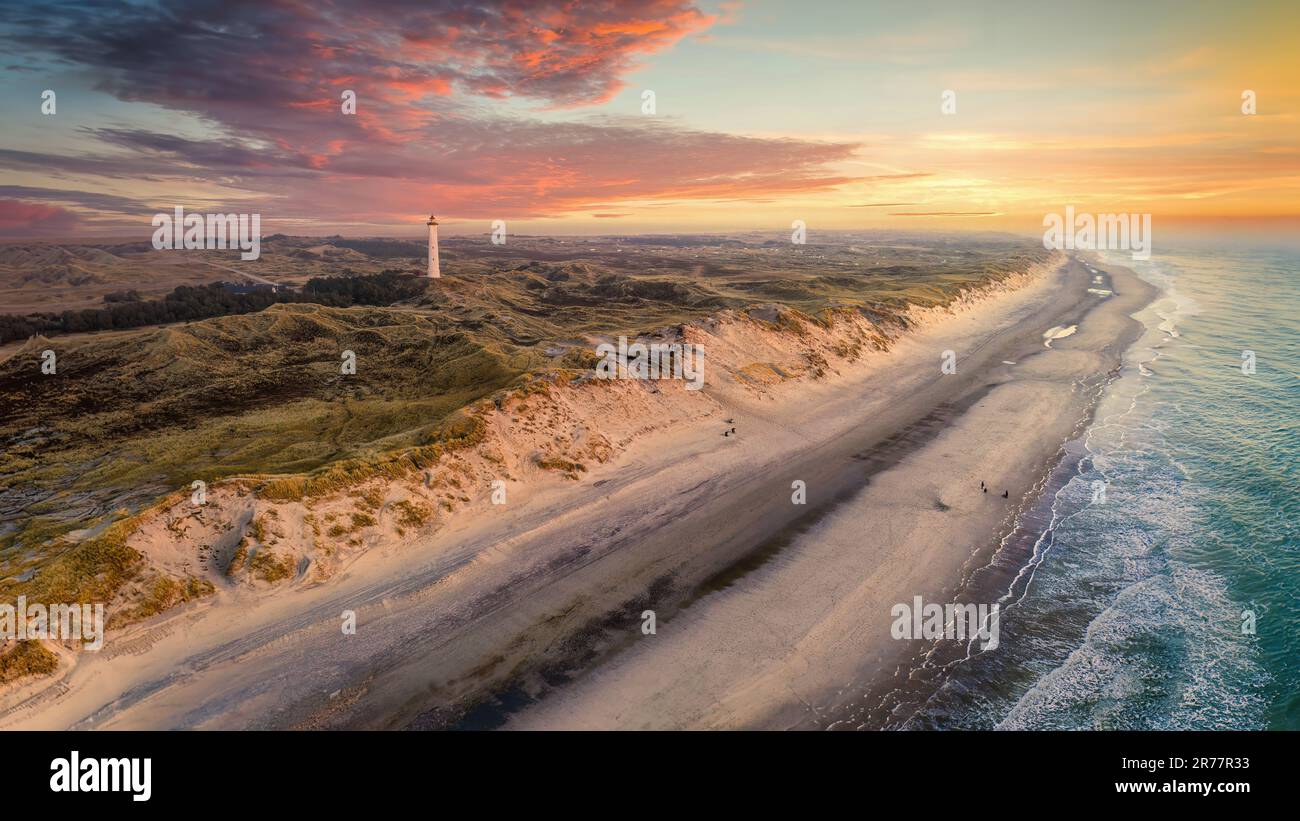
[1155, 585]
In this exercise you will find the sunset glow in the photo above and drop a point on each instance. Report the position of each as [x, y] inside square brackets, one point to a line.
[763, 114]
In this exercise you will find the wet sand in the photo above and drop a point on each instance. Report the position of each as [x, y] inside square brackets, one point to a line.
[793, 639]
[532, 616]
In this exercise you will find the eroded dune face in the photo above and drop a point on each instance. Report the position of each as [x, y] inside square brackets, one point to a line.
[231, 454]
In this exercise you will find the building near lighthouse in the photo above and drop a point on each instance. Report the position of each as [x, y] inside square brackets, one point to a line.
[434, 271]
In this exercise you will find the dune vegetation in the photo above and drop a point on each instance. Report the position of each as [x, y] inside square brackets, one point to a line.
[131, 417]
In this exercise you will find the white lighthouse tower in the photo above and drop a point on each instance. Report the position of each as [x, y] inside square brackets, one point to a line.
[434, 272]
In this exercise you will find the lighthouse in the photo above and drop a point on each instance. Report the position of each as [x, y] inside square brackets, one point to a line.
[434, 273]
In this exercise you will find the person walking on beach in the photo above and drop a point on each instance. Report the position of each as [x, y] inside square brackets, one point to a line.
[1004, 494]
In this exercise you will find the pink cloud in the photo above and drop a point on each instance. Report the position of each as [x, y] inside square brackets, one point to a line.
[271, 74]
[20, 218]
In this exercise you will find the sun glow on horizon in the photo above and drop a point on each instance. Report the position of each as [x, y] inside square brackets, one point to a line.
[763, 114]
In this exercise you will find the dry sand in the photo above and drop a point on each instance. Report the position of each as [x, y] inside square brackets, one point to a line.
[779, 647]
[765, 608]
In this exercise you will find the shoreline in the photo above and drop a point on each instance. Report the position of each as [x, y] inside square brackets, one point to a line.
[893, 700]
[555, 585]
[824, 635]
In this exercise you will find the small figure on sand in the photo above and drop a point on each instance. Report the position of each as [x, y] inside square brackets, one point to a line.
[733, 430]
[1004, 494]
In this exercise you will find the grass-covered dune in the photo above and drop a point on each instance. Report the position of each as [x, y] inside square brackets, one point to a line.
[132, 416]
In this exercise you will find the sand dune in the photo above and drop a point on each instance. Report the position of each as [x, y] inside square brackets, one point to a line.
[525, 594]
[783, 646]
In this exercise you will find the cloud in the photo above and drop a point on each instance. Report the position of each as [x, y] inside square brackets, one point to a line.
[83, 199]
[260, 85]
[499, 168]
[943, 213]
[909, 175]
[219, 55]
[19, 218]
[513, 168]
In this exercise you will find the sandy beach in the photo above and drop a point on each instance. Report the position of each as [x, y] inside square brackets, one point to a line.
[779, 647]
[529, 615]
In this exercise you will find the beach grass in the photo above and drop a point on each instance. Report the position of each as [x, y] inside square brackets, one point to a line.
[131, 417]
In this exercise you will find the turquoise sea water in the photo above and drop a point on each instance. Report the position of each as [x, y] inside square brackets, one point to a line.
[1127, 605]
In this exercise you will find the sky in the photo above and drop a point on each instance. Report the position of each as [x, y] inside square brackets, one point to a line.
[535, 113]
